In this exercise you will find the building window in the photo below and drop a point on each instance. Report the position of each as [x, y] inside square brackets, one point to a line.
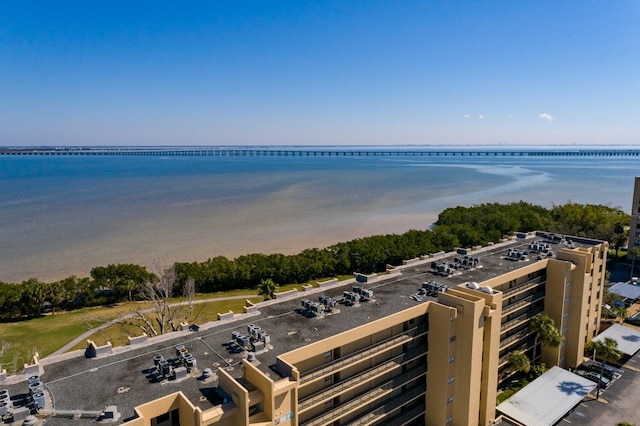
[450, 400]
[566, 314]
[451, 379]
[452, 339]
[449, 420]
[172, 418]
[564, 330]
[453, 358]
[327, 354]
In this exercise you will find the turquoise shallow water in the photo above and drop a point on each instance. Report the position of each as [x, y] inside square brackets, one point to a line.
[63, 215]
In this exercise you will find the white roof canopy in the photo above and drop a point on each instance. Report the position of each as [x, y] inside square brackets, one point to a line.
[547, 399]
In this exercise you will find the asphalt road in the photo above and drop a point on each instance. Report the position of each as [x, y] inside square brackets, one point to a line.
[619, 401]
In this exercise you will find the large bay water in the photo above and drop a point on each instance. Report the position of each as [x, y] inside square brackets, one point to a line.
[63, 215]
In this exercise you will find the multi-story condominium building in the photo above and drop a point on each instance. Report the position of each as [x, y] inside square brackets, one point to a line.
[391, 351]
[634, 228]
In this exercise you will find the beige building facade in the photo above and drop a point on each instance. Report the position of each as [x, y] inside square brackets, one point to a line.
[634, 226]
[438, 362]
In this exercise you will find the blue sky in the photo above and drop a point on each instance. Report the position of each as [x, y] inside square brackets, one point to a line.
[323, 72]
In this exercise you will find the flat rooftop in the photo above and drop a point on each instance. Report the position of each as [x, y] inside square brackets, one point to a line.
[548, 398]
[127, 379]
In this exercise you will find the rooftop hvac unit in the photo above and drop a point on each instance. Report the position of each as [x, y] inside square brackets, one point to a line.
[4, 393]
[245, 341]
[180, 348]
[157, 359]
[39, 400]
[180, 372]
[4, 409]
[251, 356]
[250, 328]
[257, 346]
[266, 339]
[33, 379]
[34, 385]
[256, 332]
[164, 368]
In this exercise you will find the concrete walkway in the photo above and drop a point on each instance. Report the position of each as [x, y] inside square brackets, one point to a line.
[84, 336]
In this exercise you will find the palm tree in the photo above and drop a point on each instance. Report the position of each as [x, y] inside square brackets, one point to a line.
[267, 288]
[633, 252]
[605, 349]
[546, 332]
[517, 361]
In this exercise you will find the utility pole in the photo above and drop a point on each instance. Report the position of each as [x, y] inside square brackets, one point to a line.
[601, 375]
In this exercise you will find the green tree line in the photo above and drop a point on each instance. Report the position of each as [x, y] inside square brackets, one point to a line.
[456, 227]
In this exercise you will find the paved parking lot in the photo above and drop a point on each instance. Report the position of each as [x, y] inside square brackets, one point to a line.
[621, 401]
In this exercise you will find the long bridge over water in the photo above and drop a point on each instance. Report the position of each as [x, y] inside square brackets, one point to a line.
[322, 152]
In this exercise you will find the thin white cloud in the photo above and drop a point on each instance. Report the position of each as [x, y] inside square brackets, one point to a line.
[467, 116]
[480, 117]
[546, 116]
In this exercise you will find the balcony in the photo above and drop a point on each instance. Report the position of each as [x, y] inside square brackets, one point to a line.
[522, 287]
[515, 337]
[387, 410]
[367, 397]
[522, 303]
[364, 353]
[346, 385]
[516, 321]
[408, 417]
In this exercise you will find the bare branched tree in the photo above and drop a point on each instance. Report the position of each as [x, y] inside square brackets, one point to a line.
[163, 316]
[189, 293]
[4, 347]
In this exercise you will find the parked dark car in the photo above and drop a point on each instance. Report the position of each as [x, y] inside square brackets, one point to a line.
[596, 366]
[594, 377]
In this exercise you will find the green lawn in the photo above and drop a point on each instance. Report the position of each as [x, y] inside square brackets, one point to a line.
[19, 340]
[202, 313]
[48, 333]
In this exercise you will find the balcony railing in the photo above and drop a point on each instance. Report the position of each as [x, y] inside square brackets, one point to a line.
[523, 302]
[343, 386]
[367, 397]
[516, 321]
[368, 351]
[524, 286]
[519, 335]
[388, 409]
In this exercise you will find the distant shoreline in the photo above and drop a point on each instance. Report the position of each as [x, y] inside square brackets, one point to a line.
[321, 151]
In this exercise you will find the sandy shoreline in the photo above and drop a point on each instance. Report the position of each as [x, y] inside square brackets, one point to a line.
[159, 245]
